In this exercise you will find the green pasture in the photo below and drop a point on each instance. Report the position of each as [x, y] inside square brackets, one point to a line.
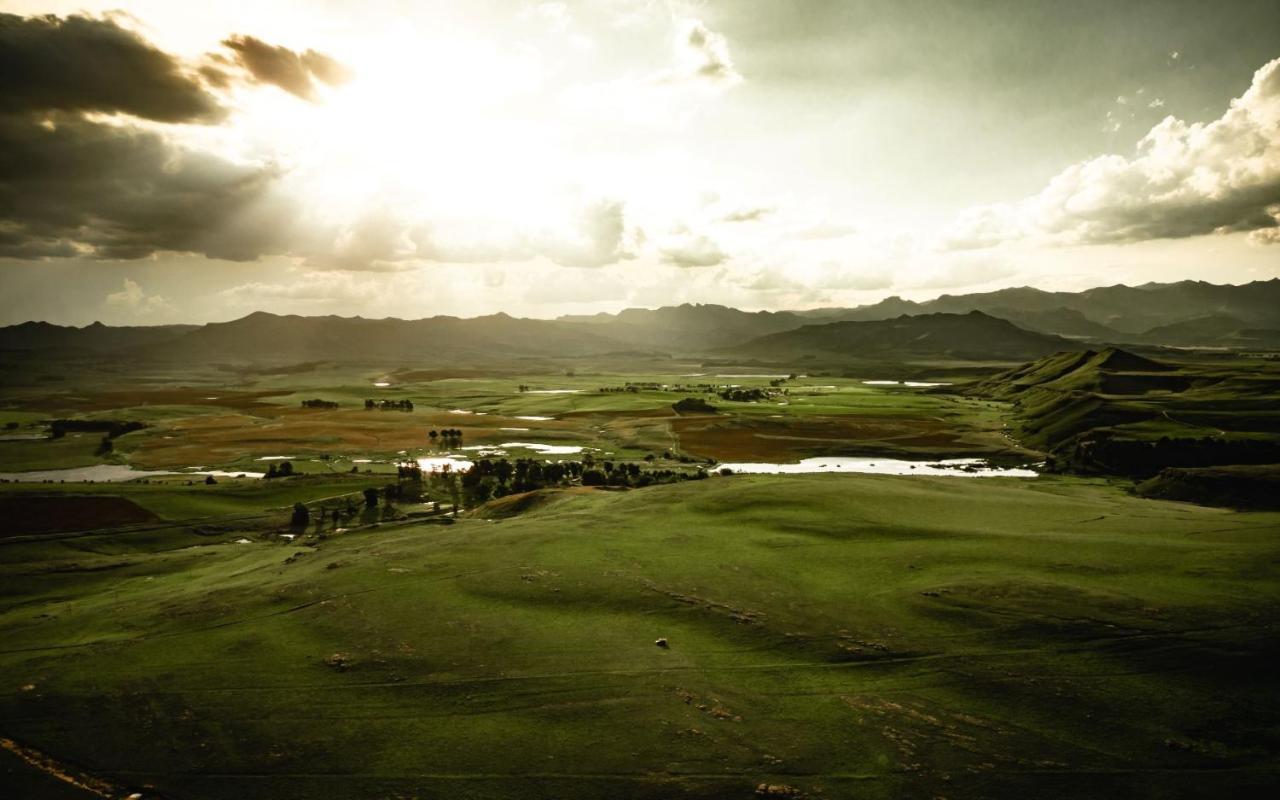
[840, 636]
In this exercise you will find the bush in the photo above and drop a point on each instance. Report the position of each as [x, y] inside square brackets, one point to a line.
[693, 405]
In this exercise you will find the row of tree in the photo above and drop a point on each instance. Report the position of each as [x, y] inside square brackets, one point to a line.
[490, 478]
[59, 428]
[448, 437]
[388, 405]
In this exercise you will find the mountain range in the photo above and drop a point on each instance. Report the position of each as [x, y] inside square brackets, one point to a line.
[1013, 324]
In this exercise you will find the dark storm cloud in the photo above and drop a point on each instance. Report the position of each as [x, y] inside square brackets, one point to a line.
[105, 191]
[294, 72]
[83, 64]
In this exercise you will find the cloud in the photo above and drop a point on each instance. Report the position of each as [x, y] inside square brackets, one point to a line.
[600, 238]
[71, 186]
[1185, 179]
[376, 242]
[82, 64]
[1268, 235]
[687, 249]
[133, 298]
[703, 54]
[701, 59]
[294, 72]
[333, 288]
[383, 241]
[748, 214]
[824, 229]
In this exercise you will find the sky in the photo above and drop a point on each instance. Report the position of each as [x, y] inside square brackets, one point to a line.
[189, 162]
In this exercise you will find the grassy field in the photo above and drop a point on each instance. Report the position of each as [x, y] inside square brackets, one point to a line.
[836, 636]
[829, 636]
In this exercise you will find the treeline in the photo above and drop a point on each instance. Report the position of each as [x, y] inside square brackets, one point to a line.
[318, 403]
[111, 427]
[446, 437]
[1143, 459]
[489, 478]
[388, 405]
[748, 395]
[651, 386]
[282, 470]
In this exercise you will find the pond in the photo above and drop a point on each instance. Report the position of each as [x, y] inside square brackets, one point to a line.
[552, 391]
[529, 418]
[545, 449]
[111, 473]
[958, 467]
[438, 463]
[912, 384]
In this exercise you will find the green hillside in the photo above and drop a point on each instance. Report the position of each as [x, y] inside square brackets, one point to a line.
[975, 336]
[829, 636]
[1115, 411]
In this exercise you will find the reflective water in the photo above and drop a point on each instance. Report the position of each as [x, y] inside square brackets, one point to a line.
[545, 449]
[113, 473]
[438, 463]
[959, 467]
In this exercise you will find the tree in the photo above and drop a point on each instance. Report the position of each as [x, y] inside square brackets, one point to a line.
[300, 516]
[209, 481]
[286, 469]
[593, 477]
[371, 497]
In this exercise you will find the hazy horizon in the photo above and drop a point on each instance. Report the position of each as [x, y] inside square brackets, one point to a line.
[612, 311]
[166, 163]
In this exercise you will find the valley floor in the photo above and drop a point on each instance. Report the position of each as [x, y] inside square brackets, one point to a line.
[828, 636]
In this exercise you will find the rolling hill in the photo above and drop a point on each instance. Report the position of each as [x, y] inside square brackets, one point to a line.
[1115, 412]
[974, 336]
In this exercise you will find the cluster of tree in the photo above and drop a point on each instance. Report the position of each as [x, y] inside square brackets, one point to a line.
[388, 405]
[522, 388]
[111, 427]
[693, 405]
[776, 382]
[282, 470]
[751, 394]
[409, 471]
[318, 403]
[1142, 459]
[681, 457]
[634, 388]
[446, 437]
[488, 478]
[370, 499]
